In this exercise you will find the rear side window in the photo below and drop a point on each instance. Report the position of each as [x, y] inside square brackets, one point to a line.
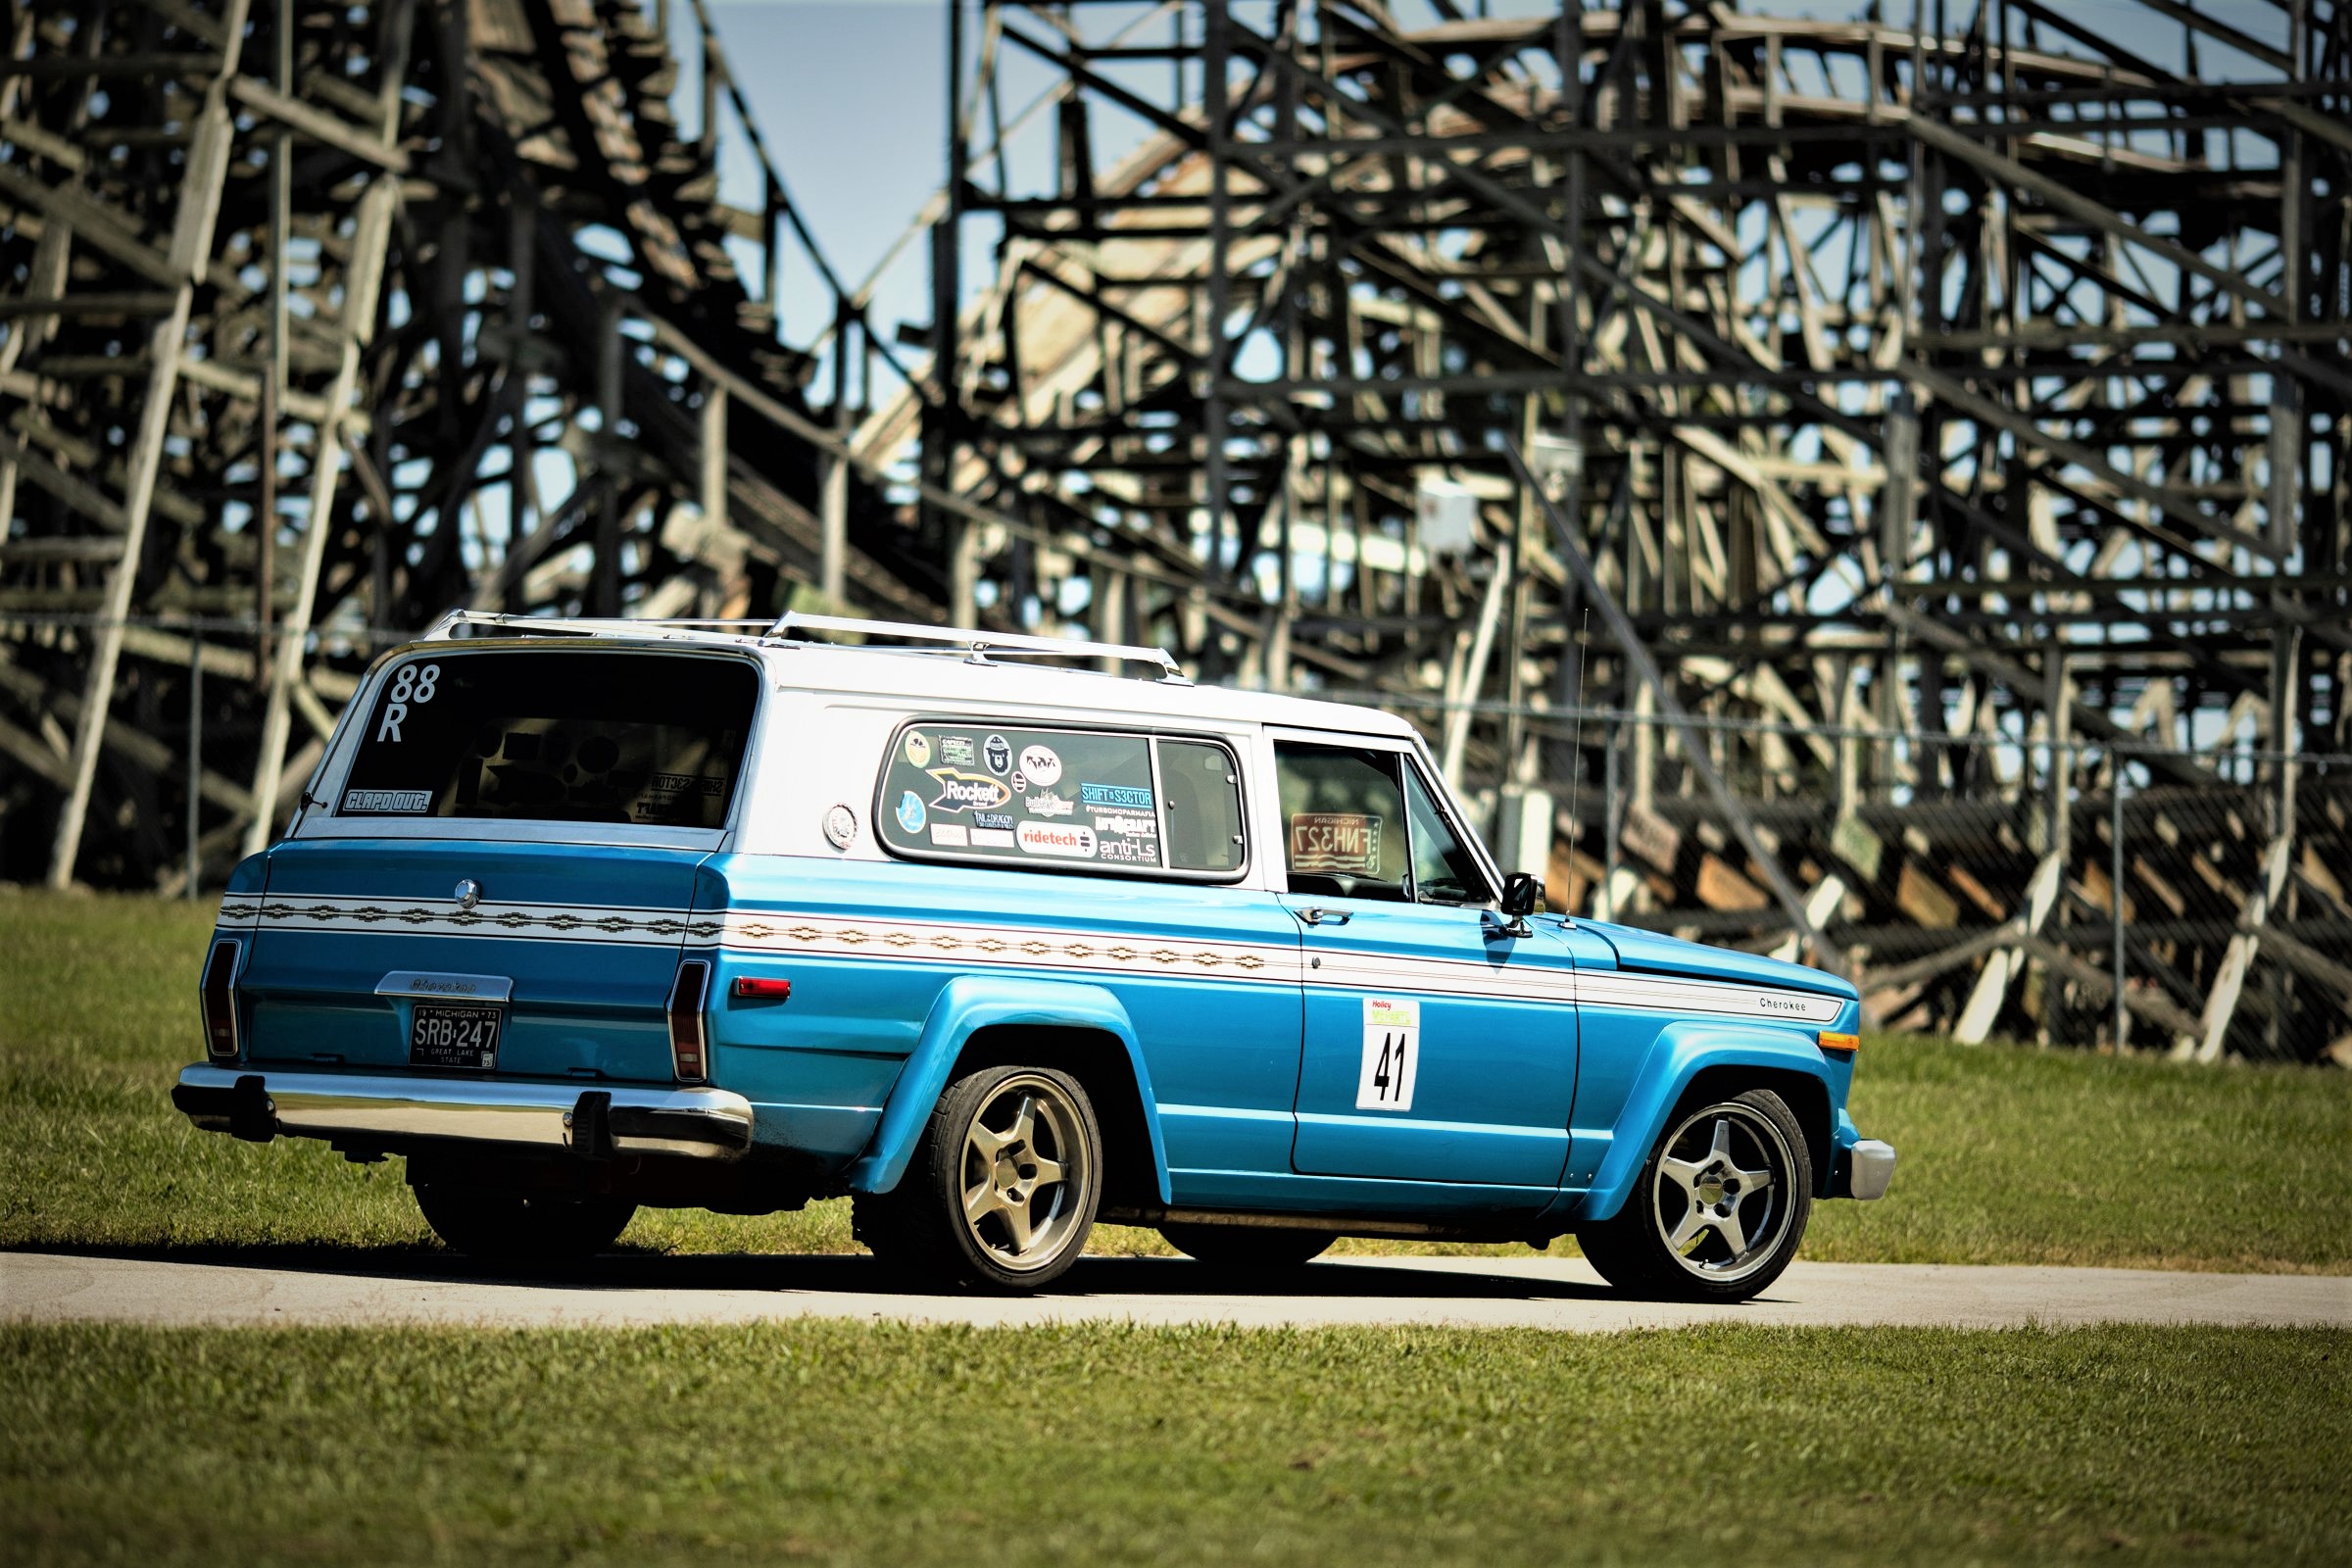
[1062, 800]
[524, 735]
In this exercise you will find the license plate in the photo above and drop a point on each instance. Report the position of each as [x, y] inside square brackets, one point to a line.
[453, 1037]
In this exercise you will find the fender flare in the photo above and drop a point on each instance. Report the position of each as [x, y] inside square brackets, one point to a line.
[1681, 1053]
[965, 1005]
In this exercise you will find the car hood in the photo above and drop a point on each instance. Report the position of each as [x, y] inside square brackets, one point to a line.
[1652, 953]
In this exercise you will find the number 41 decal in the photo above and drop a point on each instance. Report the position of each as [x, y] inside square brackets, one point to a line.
[1392, 1054]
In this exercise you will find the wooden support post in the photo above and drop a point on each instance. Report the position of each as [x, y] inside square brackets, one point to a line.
[199, 208]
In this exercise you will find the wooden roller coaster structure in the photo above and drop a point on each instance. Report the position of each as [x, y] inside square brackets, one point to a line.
[1839, 412]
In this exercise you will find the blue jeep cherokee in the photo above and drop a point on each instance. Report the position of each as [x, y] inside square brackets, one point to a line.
[579, 916]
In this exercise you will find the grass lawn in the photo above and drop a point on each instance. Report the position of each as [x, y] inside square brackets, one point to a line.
[847, 1442]
[2010, 1155]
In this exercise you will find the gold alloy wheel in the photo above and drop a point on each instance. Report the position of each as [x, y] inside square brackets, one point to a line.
[1028, 1173]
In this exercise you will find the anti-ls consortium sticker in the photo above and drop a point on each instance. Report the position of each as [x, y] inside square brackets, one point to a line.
[1392, 1054]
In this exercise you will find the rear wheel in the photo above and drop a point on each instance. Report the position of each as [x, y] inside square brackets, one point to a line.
[522, 1228]
[1257, 1246]
[1720, 1210]
[1003, 1188]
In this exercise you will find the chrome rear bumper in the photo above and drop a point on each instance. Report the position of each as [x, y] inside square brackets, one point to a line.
[371, 1108]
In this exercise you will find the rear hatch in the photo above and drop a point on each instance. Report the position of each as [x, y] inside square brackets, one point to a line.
[519, 830]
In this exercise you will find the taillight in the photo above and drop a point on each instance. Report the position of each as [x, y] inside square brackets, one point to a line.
[686, 1043]
[219, 995]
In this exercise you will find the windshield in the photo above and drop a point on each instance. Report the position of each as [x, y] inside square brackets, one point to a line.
[531, 735]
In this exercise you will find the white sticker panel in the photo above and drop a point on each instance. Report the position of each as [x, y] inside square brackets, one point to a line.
[1392, 1054]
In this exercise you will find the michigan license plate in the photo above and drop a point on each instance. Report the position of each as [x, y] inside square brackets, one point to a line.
[453, 1037]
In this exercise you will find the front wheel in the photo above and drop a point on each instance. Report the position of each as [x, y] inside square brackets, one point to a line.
[1003, 1188]
[522, 1228]
[1720, 1210]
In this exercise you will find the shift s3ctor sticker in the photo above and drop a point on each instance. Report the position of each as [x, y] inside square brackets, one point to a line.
[918, 749]
[1392, 1057]
[911, 815]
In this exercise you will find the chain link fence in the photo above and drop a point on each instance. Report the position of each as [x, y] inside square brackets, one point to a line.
[2113, 894]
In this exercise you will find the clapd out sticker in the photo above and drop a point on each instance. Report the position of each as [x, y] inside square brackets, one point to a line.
[1392, 1054]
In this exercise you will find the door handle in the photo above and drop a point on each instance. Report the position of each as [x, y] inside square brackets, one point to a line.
[1324, 916]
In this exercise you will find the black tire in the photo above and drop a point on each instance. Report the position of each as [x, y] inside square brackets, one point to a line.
[506, 1227]
[1698, 1226]
[1011, 1127]
[1248, 1246]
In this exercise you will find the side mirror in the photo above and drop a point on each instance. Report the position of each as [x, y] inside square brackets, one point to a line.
[1522, 894]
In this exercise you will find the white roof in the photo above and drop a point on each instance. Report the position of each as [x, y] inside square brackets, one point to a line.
[952, 674]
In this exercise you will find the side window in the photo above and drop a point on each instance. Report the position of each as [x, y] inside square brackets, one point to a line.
[1343, 821]
[1011, 795]
[1445, 871]
[1203, 788]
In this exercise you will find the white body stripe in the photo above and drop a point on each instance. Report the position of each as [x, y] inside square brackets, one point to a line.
[1091, 952]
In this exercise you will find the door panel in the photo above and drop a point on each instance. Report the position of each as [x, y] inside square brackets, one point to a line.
[1437, 1047]
[1487, 1036]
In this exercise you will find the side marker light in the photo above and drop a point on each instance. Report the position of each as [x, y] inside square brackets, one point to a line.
[753, 986]
[1830, 1039]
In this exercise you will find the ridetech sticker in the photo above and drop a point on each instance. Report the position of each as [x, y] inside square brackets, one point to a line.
[1392, 1054]
[1334, 841]
[1048, 838]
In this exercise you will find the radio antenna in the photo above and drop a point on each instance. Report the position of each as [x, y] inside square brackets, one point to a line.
[1576, 747]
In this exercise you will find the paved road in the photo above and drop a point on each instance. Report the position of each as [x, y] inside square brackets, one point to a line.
[265, 1286]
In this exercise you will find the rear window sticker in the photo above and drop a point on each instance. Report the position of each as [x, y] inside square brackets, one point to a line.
[995, 819]
[948, 835]
[1334, 841]
[911, 815]
[994, 838]
[1044, 838]
[1020, 783]
[1043, 765]
[1142, 827]
[1050, 805]
[956, 750]
[1392, 1057]
[416, 683]
[997, 751]
[967, 792]
[918, 747]
[1114, 796]
[387, 799]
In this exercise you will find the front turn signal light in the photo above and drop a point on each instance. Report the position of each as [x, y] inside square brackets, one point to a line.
[1830, 1039]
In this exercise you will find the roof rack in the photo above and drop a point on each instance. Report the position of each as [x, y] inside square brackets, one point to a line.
[978, 645]
[450, 624]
